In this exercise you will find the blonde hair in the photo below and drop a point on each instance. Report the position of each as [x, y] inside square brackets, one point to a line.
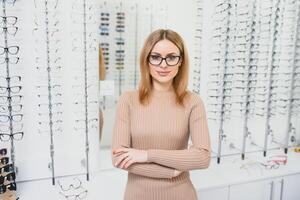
[180, 81]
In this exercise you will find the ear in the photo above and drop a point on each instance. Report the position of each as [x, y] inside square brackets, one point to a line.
[180, 62]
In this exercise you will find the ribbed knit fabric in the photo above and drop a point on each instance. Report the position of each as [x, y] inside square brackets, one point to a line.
[163, 129]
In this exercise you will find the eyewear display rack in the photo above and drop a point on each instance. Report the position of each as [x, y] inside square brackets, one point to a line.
[293, 100]
[251, 59]
[11, 93]
[120, 50]
[198, 46]
[270, 58]
[86, 101]
[50, 84]
[10, 97]
[122, 28]
[219, 64]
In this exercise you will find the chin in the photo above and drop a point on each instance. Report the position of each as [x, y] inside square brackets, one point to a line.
[164, 79]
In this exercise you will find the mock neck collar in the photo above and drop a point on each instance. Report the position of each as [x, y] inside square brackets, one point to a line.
[163, 93]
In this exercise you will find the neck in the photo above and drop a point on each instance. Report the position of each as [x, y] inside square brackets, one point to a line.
[162, 86]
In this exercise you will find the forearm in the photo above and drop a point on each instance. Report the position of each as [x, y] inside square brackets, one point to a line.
[151, 170]
[183, 160]
[148, 169]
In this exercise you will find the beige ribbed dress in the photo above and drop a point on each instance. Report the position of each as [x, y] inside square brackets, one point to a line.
[163, 129]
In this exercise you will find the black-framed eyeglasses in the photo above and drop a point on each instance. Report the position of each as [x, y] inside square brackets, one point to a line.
[13, 50]
[13, 89]
[15, 136]
[11, 20]
[156, 60]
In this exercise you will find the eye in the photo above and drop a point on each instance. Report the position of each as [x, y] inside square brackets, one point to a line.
[172, 58]
[155, 57]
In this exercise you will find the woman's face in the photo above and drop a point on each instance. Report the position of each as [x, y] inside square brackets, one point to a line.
[163, 73]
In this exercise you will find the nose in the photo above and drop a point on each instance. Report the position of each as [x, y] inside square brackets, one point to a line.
[163, 64]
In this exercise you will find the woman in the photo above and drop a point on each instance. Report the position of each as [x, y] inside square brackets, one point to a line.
[153, 125]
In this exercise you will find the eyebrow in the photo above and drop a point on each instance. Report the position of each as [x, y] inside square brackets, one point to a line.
[169, 54]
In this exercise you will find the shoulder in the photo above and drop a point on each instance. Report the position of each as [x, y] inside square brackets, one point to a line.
[196, 106]
[128, 96]
[193, 99]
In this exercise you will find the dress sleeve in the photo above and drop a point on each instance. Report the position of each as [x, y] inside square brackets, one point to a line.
[122, 138]
[195, 157]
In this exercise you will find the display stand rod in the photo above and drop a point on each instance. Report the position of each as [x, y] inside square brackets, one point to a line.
[248, 57]
[222, 114]
[87, 146]
[49, 92]
[289, 125]
[270, 73]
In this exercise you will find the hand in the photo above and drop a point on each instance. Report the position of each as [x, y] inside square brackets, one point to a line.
[127, 156]
[177, 173]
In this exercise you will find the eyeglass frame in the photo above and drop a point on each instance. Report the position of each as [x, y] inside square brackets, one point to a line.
[164, 58]
[70, 186]
[11, 136]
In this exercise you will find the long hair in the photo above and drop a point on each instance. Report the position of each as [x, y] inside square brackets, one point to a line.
[180, 81]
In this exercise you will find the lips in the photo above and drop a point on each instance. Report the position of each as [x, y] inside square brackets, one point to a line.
[165, 73]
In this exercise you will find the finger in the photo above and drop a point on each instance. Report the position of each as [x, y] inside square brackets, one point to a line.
[118, 154]
[119, 150]
[130, 162]
[120, 158]
[123, 163]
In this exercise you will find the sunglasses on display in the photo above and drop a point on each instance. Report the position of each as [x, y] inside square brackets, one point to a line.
[105, 14]
[8, 177]
[11, 187]
[6, 168]
[4, 161]
[3, 152]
